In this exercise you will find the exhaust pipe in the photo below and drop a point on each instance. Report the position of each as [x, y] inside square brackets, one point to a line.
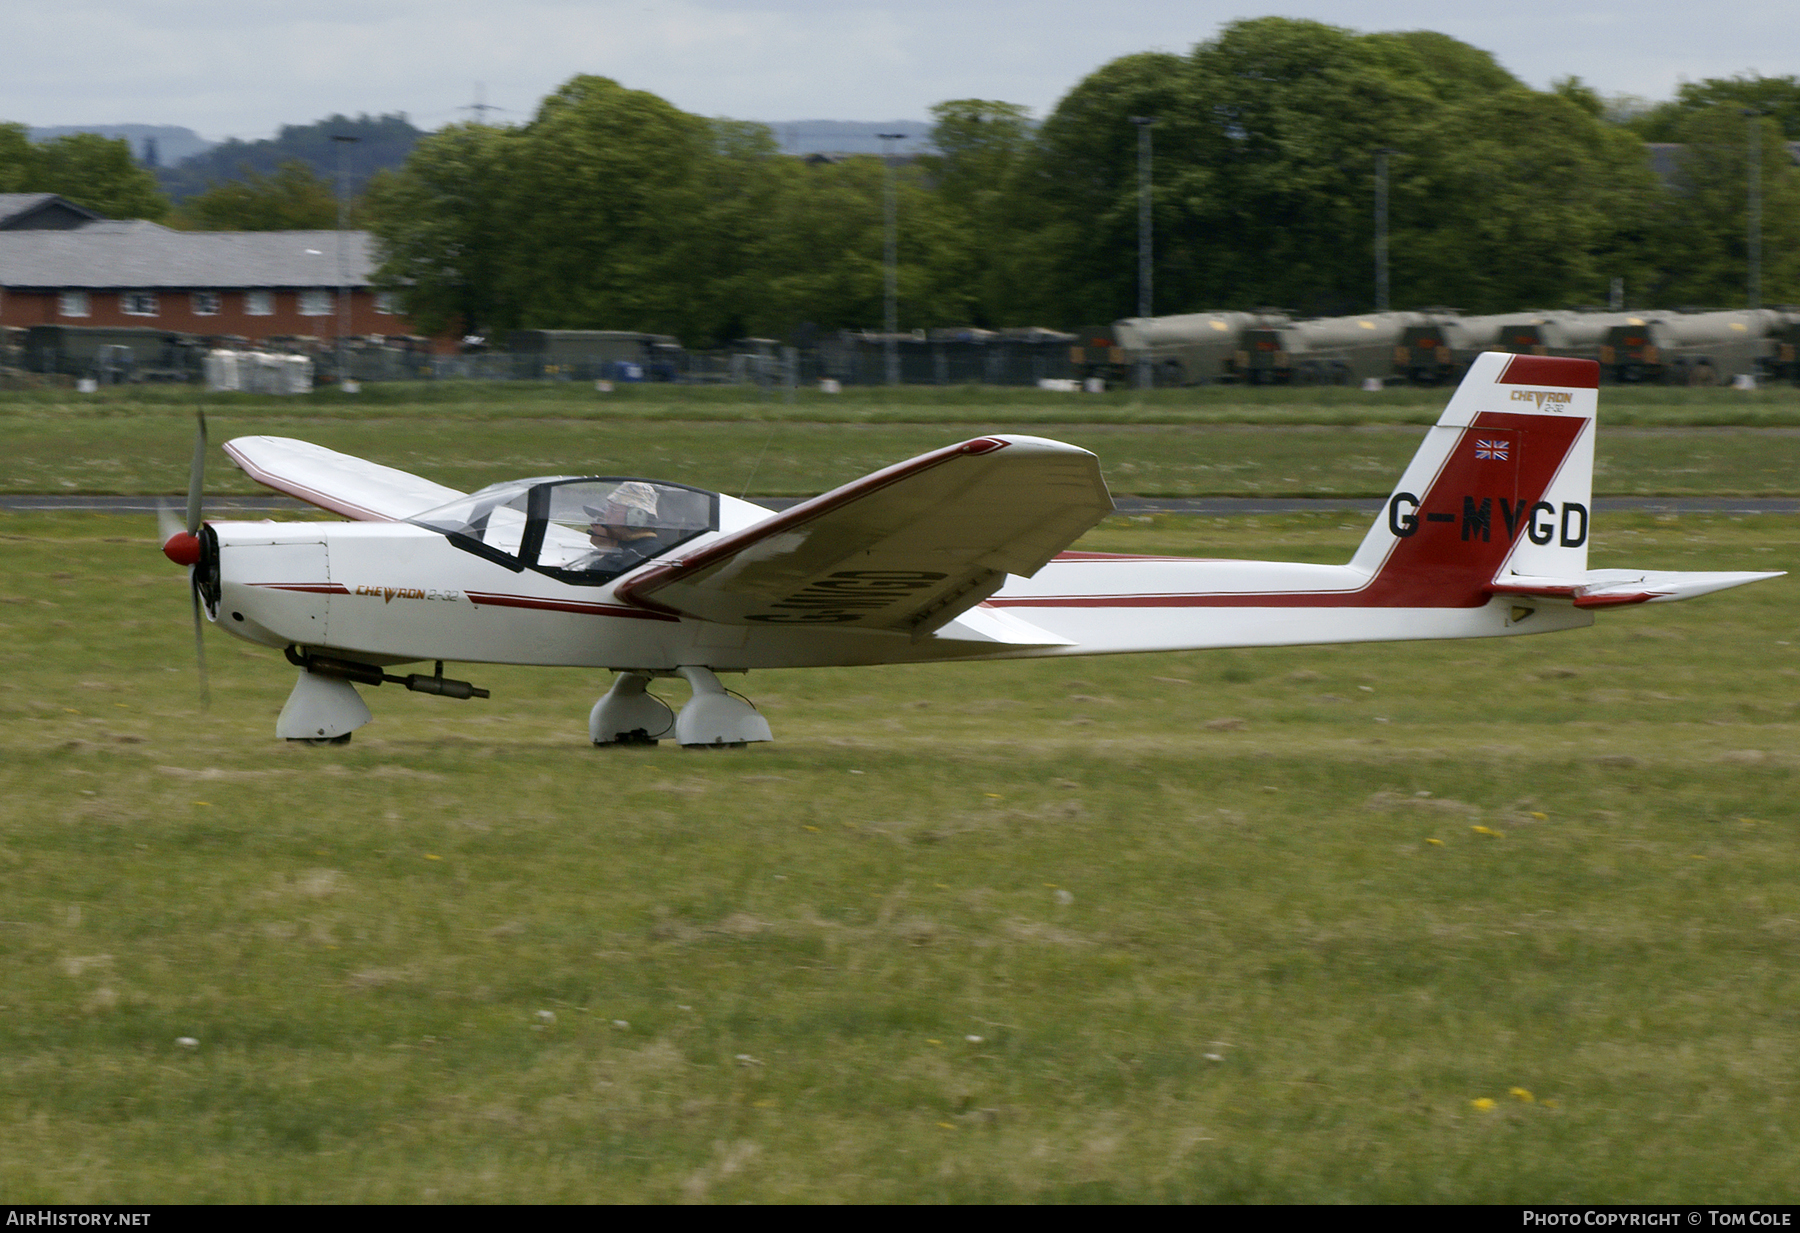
[369, 674]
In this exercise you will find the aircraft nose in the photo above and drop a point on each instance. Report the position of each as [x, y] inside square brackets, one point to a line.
[182, 548]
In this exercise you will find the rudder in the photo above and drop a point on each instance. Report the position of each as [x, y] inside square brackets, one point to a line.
[1502, 483]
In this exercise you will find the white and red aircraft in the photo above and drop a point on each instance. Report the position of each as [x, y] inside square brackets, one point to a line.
[959, 554]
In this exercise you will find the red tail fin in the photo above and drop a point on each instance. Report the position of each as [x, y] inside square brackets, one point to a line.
[1504, 475]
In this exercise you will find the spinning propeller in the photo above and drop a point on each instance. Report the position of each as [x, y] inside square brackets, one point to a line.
[193, 545]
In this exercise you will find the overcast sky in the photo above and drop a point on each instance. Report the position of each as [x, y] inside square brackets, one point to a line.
[244, 69]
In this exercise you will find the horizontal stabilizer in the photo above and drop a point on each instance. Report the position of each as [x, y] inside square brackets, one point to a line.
[341, 483]
[1612, 588]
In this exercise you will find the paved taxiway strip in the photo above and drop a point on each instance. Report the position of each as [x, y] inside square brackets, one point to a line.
[225, 508]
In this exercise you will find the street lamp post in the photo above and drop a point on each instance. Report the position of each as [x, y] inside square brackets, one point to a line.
[1381, 227]
[1146, 266]
[890, 256]
[1753, 209]
[343, 143]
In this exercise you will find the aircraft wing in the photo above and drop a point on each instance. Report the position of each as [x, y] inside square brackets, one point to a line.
[904, 550]
[341, 483]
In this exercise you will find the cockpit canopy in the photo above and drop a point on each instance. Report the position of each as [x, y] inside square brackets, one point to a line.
[585, 530]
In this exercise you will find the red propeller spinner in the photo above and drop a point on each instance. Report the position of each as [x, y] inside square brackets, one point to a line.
[182, 548]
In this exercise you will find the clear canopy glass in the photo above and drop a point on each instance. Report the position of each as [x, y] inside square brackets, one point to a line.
[579, 529]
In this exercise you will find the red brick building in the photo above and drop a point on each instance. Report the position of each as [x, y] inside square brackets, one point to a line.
[252, 284]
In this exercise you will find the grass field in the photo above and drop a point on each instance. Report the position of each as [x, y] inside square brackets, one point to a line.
[1496, 922]
[1216, 442]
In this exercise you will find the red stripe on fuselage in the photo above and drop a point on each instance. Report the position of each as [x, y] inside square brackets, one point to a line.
[495, 600]
[579, 607]
[311, 588]
[1124, 556]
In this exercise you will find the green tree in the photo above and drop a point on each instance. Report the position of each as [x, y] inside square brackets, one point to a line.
[292, 199]
[823, 263]
[1520, 200]
[445, 230]
[823, 258]
[982, 146]
[1265, 154]
[1448, 67]
[1702, 239]
[737, 196]
[609, 184]
[610, 210]
[16, 158]
[1578, 92]
[1777, 97]
[88, 169]
[1291, 115]
[1075, 196]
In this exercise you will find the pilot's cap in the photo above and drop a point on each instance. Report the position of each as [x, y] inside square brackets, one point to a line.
[632, 494]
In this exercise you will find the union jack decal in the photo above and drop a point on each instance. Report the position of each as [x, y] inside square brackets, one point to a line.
[1493, 449]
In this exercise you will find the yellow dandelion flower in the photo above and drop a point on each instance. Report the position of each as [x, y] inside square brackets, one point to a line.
[1481, 830]
[432, 856]
[1541, 817]
[1482, 1105]
[1437, 843]
[1520, 1094]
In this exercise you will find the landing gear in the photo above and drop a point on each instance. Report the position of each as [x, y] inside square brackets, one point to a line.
[628, 715]
[713, 718]
[322, 710]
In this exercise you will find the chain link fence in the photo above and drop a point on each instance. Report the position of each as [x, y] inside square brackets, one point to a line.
[69, 354]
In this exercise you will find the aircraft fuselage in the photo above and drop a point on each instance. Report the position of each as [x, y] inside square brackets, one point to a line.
[391, 592]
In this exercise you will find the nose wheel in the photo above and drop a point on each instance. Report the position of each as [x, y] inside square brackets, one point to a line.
[322, 710]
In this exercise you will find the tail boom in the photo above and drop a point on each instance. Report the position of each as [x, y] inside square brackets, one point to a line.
[1486, 535]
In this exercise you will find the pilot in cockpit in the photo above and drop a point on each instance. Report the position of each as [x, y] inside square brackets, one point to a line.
[623, 530]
